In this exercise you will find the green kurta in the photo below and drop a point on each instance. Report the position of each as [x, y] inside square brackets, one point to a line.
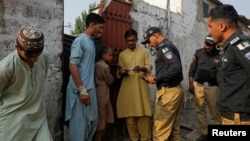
[22, 112]
[134, 98]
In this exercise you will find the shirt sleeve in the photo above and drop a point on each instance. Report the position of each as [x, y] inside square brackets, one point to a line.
[242, 55]
[193, 66]
[5, 77]
[148, 62]
[108, 76]
[76, 51]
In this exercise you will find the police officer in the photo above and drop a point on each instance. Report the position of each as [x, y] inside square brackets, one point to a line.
[202, 83]
[234, 65]
[168, 76]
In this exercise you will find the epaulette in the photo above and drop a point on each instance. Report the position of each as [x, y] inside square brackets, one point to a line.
[165, 43]
[164, 50]
[164, 46]
[241, 42]
[238, 38]
[235, 40]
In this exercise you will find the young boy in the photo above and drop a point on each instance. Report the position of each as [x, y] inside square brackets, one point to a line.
[103, 78]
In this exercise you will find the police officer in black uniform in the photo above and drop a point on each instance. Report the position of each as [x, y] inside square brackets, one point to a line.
[234, 65]
[168, 76]
[203, 84]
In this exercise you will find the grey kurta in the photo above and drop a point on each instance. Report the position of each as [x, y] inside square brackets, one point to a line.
[22, 112]
[133, 98]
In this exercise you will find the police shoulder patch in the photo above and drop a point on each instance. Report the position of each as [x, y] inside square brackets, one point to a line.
[247, 55]
[169, 55]
[244, 44]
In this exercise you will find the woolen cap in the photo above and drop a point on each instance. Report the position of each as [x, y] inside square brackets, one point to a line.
[30, 39]
[150, 31]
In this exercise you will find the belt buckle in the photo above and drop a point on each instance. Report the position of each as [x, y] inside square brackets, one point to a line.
[206, 83]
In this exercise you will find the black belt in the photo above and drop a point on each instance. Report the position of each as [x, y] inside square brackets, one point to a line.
[229, 115]
[206, 83]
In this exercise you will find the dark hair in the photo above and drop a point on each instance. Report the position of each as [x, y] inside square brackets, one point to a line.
[225, 12]
[94, 18]
[130, 32]
[105, 49]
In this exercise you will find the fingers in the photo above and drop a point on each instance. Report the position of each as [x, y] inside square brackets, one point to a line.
[136, 69]
[85, 99]
[124, 71]
[103, 2]
[86, 102]
[150, 80]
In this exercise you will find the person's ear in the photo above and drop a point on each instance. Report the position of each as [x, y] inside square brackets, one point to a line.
[92, 25]
[17, 47]
[222, 26]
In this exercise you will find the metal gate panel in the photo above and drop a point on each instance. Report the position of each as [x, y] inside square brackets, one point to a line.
[117, 21]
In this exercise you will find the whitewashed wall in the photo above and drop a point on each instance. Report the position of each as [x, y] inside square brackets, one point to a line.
[186, 26]
[46, 15]
[175, 5]
[183, 24]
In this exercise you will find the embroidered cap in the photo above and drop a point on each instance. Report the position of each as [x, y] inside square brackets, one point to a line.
[150, 31]
[209, 39]
[30, 40]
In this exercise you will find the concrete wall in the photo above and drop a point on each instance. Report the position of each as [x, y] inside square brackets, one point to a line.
[183, 24]
[47, 15]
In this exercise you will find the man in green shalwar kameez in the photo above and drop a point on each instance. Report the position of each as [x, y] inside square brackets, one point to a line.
[22, 77]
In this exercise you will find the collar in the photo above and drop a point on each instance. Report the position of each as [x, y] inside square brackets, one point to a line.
[162, 43]
[232, 39]
[86, 35]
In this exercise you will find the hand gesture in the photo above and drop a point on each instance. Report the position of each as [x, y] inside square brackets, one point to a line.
[137, 69]
[150, 79]
[85, 99]
[101, 7]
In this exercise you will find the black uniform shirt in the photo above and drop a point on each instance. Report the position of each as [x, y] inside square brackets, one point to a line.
[203, 66]
[168, 65]
[234, 74]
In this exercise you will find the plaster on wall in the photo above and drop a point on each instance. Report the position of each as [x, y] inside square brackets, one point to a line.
[46, 15]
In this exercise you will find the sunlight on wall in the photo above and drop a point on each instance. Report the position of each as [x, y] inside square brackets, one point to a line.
[175, 5]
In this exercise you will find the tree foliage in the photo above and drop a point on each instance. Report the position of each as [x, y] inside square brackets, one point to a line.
[80, 24]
